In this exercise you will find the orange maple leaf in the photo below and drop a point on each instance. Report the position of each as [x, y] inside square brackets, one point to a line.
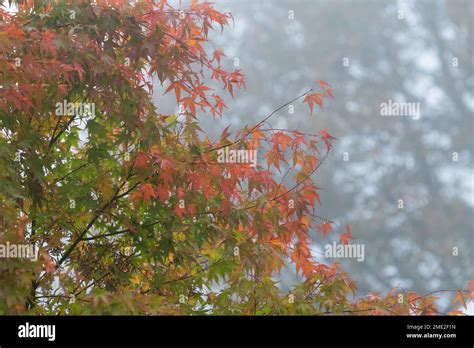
[345, 237]
[142, 160]
[147, 191]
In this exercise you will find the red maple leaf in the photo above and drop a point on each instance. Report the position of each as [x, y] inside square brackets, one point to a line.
[345, 237]
[142, 160]
[325, 228]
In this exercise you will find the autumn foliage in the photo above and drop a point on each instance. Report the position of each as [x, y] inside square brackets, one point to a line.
[130, 207]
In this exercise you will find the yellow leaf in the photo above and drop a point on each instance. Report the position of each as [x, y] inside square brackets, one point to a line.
[459, 298]
[135, 279]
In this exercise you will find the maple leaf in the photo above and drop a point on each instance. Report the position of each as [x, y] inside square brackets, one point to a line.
[49, 265]
[274, 158]
[329, 93]
[459, 298]
[135, 197]
[325, 228]
[281, 139]
[218, 54]
[162, 192]
[326, 137]
[307, 99]
[225, 133]
[305, 222]
[301, 257]
[147, 191]
[311, 194]
[141, 160]
[277, 242]
[220, 105]
[79, 70]
[21, 223]
[47, 41]
[314, 98]
[257, 134]
[177, 90]
[373, 297]
[345, 237]
[179, 211]
[323, 84]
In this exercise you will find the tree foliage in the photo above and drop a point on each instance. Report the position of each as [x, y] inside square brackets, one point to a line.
[131, 208]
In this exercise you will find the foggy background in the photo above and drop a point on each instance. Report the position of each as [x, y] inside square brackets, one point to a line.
[370, 51]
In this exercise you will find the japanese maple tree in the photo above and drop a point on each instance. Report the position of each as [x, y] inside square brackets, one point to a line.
[131, 209]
